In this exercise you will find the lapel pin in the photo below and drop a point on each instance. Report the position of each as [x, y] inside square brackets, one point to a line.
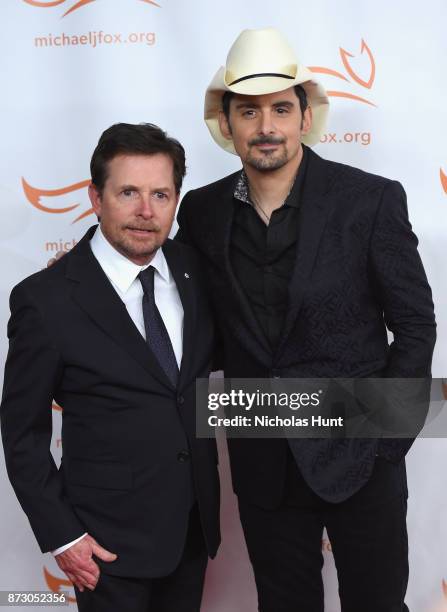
[186, 275]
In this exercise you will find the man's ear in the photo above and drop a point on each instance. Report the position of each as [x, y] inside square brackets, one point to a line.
[224, 126]
[95, 199]
[306, 122]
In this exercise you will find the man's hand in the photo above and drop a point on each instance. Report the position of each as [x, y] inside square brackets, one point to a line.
[57, 256]
[78, 565]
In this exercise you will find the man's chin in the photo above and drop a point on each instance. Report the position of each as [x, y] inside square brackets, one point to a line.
[266, 164]
[139, 253]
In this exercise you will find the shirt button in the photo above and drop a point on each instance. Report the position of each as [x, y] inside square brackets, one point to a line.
[275, 374]
[180, 400]
[183, 456]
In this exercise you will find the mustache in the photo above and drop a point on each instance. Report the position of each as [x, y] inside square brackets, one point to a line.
[147, 227]
[265, 140]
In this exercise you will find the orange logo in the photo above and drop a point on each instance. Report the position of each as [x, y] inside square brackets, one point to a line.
[33, 196]
[74, 7]
[443, 180]
[366, 83]
[54, 583]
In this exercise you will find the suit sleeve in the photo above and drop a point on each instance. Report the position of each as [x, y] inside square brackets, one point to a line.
[402, 288]
[33, 368]
[405, 296]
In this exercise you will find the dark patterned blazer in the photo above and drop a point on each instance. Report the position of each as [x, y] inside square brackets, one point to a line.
[357, 272]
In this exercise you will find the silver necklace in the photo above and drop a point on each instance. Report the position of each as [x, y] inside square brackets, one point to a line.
[259, 207]
[261, 210]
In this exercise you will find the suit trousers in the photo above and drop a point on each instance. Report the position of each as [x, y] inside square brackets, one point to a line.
[181, 591]
[367, 534]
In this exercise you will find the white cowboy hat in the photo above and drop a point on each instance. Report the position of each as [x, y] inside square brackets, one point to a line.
[262, 62]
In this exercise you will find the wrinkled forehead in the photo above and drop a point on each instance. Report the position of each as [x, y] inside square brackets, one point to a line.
[129, 168]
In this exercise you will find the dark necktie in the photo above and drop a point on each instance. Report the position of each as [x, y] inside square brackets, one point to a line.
[157, 336]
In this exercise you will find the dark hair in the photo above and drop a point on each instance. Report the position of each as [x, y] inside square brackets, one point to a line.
[299, 90]
[140, 139]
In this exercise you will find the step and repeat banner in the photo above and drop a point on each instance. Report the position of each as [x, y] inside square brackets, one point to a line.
[69, 69]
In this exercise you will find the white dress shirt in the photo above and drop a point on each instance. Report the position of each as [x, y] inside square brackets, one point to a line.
[123, 273]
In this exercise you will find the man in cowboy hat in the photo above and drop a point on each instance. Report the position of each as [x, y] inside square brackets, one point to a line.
[308, 263]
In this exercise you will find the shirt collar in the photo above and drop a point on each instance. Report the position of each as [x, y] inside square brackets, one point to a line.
[120, 270]
[242, 190]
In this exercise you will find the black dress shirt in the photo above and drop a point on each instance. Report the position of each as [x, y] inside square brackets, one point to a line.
[263, 256]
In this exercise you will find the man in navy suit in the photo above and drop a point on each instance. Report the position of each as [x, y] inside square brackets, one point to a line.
[308, 263]
[117, 331]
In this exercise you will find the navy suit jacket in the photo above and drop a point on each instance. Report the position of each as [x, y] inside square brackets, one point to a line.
[130, 453]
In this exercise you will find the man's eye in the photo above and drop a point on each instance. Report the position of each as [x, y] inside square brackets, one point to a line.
[249, 113]
[160, 195]
[129, 193]
[282, 110]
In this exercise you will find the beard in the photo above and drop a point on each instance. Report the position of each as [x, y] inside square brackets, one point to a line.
[268, 160]
[137, 249]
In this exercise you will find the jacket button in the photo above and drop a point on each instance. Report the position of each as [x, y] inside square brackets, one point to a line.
[275, 374]
[180, 400]
[183, 456]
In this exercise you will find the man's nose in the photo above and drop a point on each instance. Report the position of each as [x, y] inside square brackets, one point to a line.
[145, 206]
[267, 125]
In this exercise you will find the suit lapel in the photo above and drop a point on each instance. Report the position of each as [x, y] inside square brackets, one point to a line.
[94, 293]
[223, 214]
[316, 204]
[186, 286]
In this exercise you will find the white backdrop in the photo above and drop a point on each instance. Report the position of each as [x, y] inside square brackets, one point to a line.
[69, 69]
